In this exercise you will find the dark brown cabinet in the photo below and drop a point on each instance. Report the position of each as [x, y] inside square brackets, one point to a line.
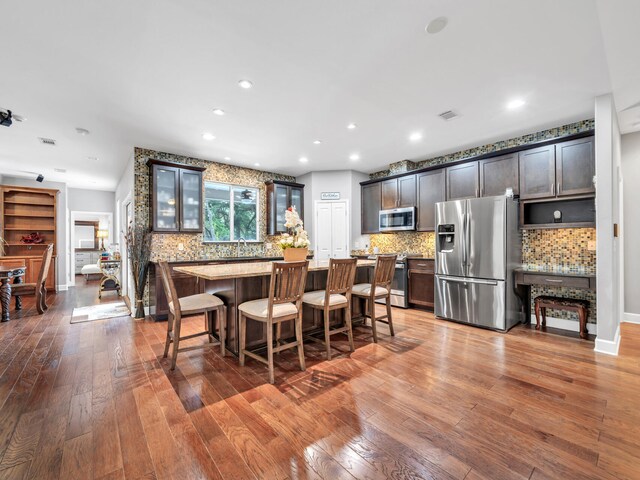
[280, 196]
[421, 282]
[499, 173]
[575, 167]
[399, 192]
[463, 181]
[176, 197]
[371, 204]
[431, 190]
[538, 172]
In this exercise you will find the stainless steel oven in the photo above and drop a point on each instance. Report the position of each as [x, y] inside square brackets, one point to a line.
[400, 284]
[397, 219]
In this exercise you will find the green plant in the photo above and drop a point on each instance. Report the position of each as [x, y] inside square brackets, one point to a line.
[138, 240]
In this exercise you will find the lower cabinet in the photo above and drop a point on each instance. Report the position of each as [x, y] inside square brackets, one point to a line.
[421, 282]
[33, 265]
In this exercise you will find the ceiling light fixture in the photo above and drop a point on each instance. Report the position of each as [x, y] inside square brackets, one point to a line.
[227, 158]
[303, 159]
[246, 84]
[354, 157]
[515, 103]
[218, 111]
[436, 25]
[317, 142]
[351, 126]
[256, 164]
[208, 136]
[415, 136]
[82, 131]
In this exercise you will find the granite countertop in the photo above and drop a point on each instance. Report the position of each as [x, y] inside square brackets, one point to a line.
[566, 271]
[251, 269]
[226, 259]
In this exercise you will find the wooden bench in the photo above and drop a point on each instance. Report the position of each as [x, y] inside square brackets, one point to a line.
[581, 307]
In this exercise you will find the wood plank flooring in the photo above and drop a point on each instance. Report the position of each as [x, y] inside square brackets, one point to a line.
[96, 401]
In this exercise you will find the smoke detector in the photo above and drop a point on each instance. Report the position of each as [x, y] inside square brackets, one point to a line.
[448, 115]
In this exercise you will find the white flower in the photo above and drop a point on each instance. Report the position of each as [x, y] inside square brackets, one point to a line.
[297, 236]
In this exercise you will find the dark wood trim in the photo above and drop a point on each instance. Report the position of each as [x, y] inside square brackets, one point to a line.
[505, 151]
[284, 182]
[547, 226]
[153, 161]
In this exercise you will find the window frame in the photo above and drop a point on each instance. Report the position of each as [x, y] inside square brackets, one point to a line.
[232, 238]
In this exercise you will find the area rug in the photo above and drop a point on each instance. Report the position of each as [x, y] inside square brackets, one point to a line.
[100, 312]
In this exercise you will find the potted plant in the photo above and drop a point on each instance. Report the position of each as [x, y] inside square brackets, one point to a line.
[294, 243]
[138, 241]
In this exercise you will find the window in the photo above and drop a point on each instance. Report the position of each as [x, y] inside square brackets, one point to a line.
[230, 213]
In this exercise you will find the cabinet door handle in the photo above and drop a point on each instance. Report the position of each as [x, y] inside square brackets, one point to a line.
[553, 280]
[558, 188]
[553, 188]
[477, 193]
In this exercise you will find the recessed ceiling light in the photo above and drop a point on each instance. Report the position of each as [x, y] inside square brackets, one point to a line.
[351, 126]
[60, 170]
[415, 136]
[82, 131]
[257, 164]
[227, 158]
[354, 157]
[317, 142]
[436, 25]
[245, 84]
[515, 103]
[208, 136]
[303, 159]
[218, 111]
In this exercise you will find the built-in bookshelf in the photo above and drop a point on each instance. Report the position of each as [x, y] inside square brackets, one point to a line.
[25, 211]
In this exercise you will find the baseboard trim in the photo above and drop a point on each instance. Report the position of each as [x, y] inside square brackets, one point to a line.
[631, 317]
[62, 288]
[609, 347]
[564, 324]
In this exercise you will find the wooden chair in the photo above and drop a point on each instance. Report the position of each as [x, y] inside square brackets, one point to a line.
[283, 304]
[337, 295]
[38, 289]
[199, 304]
[380, 288]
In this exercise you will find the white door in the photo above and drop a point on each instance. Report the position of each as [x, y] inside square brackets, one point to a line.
[332, 230]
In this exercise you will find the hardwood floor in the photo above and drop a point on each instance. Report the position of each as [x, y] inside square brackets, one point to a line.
[440, 400]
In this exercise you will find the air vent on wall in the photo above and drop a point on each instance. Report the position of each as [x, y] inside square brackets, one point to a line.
[448, 115]
[47, 141]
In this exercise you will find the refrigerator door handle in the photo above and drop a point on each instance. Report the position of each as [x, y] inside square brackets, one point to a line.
[467, 280]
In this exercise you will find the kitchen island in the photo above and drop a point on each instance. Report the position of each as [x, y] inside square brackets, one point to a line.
[236, 283]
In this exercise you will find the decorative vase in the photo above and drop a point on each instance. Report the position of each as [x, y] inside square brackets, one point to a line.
[295, 254]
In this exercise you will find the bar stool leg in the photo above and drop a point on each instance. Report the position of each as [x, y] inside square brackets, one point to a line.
[168, 340]
[222, 328]
[347, 320]
[243, 337]
[298, 328]
[537, 307]
[389, 316]
[583, 322]
[176, 344]
[270, 351]
[372, 315]
[327, 335]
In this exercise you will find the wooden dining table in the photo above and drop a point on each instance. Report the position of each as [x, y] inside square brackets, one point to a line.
[7, 274]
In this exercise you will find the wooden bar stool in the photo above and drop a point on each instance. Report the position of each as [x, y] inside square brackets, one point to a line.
[337, 295]
[379, 288]
[283, 304]
[200, 304]
[581, 307]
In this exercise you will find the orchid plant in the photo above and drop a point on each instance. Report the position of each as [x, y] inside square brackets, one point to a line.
[296, 236]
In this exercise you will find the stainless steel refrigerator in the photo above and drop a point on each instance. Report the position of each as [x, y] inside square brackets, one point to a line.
[478, 246]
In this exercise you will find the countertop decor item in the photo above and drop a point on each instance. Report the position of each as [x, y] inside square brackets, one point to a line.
[294, 243]
[32, 238]
[138, 239]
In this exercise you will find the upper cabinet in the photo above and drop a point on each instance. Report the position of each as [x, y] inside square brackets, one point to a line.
[560, 170]
[371, 204]
[497, 174]
[431, 190]
[399, 192]
[176, 197]
[463, 181]
[575, 167]
[280, 196]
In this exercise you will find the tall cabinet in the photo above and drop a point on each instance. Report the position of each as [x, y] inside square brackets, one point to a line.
[24, 211]
[280, 196]
[176, 197]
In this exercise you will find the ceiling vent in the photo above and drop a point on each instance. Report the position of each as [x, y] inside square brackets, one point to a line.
[47, 141]
[448, 115]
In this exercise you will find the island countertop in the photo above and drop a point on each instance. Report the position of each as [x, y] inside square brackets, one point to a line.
[250, 269]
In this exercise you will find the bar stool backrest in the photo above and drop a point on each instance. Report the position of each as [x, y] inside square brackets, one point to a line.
[44, 268]
[342, 273]
[287, 284]
[384, 271]
[169, 288]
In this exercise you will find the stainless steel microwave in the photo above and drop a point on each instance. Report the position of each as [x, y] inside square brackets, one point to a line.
[398, 219]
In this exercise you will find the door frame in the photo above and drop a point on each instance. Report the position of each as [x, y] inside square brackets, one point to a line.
[72, 237]
[317, 203]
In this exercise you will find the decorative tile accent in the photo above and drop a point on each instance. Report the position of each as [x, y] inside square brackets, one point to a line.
[561, 249]
[558, 132]
[404, 242]
[402, 166]
[165, 245]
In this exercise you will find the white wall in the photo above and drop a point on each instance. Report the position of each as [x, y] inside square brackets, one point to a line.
[607, 214]
[631, 175]
[345, 182]
[62, 229]
[124, 194]
[82, 200]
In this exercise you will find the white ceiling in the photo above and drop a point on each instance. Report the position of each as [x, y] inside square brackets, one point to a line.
[148, 73]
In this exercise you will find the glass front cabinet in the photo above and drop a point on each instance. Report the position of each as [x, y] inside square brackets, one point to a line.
[176, 197]
[280, 196]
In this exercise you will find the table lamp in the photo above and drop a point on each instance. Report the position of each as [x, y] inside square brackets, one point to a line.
[102, 234]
